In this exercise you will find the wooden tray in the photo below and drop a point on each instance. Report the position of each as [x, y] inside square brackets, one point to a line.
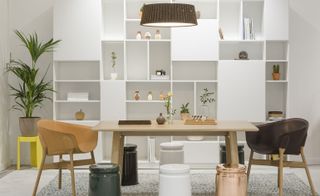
[200, 122]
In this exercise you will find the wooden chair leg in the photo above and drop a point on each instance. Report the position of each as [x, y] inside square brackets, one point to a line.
[307, 171]
[39, 175]
[249, 165]
[73, 184]
[280, 177]
[60, 173]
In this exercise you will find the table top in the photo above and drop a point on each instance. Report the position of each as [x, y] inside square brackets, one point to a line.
[177, 126]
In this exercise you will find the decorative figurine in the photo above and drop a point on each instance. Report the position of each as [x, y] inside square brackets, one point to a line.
[147, 35]
[136, 95]
[161, 96]
[80, 115]
[243, 55]
[157, 35]
[150, 96]
[139, 35]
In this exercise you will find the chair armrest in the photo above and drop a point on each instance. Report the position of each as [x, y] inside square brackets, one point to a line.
[57, 143]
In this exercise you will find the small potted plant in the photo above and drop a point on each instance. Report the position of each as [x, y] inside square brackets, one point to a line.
[184, 112]
[276, 72]
[113, 74]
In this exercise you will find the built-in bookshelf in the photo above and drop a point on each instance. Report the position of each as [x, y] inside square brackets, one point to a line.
[193, 58]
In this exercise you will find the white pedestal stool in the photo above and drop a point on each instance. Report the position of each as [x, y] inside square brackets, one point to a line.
[171, 153]
[175, 180]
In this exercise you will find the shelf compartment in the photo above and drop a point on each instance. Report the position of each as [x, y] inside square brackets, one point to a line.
[231, 50]
[277, 50]
[107, 49]
[183, 93]
[66, 111]
[212, 87]
[254, 10]
[159, 57]
[283, 70]
[144, 88]
[137, 60]
[132, 27]
[86, 70]
[194, 70]
[62, 89]
[276, 97]
[113, 19]
[230, 18]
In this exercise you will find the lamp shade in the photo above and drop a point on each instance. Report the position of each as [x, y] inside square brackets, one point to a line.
[168, 15]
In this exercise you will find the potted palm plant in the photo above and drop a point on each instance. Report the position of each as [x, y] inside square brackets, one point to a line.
[32, 88]
[184, 112]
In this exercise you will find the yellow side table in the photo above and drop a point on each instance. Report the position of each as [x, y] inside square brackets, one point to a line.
[35, 150]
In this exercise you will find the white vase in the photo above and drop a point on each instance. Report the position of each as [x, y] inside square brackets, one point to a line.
[114, 76]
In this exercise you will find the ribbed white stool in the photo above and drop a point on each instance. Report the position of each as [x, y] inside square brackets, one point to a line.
[175, 180]
[171, 153]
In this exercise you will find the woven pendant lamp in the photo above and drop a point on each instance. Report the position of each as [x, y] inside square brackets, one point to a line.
[168, 15]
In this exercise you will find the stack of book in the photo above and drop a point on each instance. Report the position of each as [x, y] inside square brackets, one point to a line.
[248, 33]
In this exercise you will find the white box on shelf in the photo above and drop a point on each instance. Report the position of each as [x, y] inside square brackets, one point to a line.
[162, 77]
[83, 96]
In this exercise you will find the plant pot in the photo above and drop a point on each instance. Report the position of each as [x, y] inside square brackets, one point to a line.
[28, 126]
[184, 116]
[80, 115]
[276, 76]
[114, 76]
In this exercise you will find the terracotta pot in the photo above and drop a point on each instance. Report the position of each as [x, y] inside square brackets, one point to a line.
[276, 76]
[28, 126]
[184, 116]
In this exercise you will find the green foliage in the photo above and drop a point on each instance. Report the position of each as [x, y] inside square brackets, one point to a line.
[32, 89]
[113, 59]
[276, 69]
[206, 97]
[184, 108]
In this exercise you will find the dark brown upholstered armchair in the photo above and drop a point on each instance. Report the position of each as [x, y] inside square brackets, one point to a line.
[285, 137]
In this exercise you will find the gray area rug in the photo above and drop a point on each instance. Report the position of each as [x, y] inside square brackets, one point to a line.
[202, 185]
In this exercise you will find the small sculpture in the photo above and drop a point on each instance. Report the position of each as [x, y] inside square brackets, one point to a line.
[243, 55]
[136, 95]
[80, 115]
[150, 96]
[139, 35]
[157, 35]
[147, 35]
[161, 120]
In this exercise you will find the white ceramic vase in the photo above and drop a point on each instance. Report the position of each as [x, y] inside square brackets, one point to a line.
[114, 76]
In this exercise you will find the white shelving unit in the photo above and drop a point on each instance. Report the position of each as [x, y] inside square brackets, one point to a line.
[194, 58]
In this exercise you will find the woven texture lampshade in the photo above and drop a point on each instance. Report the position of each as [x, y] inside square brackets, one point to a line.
[168, 15]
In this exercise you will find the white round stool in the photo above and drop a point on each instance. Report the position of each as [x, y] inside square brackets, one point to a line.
[171, 153]
[175, 180]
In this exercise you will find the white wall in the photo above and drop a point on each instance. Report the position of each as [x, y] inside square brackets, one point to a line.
[4, 99]
[29, 16]
[304, 71]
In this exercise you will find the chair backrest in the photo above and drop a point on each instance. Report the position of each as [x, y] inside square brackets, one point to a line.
[62, 138]
[290, 132]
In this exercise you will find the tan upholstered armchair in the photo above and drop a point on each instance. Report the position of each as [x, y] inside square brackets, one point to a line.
[58, 138]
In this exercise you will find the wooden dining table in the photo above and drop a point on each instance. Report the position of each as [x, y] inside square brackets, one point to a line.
[228, 129]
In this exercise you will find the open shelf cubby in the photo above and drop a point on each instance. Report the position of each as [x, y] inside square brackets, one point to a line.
[212, 87]
[66, 111]
[159, 57]
[277, 50]
[144, 88]
[137, 60]
[107, 49]
[133, 27]
[231, 50]
[254, 10]
[183, 93]
[230, 17]
[276, 97]
[113, 19]
[86, 70]
[194, 70]
[63, 88]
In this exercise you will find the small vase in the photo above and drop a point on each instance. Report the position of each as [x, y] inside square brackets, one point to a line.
[205, 110]
[80, 115]
[136, 95]
[169, 119]
[157, 35]
[139, 35]
[114, 76]
[150, 96]
[161, 120]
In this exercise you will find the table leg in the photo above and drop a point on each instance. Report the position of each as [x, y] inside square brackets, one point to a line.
[117, 150]
[232, 150]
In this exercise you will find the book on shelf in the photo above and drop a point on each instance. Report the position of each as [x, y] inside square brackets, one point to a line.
[248, 33]
[81, 96]
[160, 77]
